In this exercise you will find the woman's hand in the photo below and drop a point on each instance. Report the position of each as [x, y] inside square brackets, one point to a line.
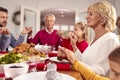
[66, 52]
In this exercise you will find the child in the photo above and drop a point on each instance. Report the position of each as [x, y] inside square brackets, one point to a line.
[75, 39]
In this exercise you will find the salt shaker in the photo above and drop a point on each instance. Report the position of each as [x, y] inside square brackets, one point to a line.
[51, 73]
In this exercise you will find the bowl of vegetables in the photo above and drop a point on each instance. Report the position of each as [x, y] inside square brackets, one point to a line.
[10, 58]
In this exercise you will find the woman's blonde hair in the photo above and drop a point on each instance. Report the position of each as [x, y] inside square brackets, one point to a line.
[84, 28]
[107, 11]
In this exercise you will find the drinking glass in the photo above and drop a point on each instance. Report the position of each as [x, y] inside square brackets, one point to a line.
[52, 48]
[51, 73]
[32, 62]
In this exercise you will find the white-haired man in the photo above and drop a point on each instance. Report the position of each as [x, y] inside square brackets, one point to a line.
[48, 35]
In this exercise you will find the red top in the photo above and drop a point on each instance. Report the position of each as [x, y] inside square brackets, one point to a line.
[80, 45]
[43, 37]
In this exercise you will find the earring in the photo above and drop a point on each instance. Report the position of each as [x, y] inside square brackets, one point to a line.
[103, 21]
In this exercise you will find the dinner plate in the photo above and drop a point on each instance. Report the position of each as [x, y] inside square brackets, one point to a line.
[37, 60]
[56, 60]
[1, 55]
[54, 52]
[42, 48]
[43, 58]
[41, 76]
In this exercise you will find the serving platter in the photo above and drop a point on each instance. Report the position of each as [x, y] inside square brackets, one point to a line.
[56, 60]
[41, 76]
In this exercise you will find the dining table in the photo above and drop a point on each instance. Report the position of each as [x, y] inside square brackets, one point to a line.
[73, 73]
[62, 68]
[65, 69]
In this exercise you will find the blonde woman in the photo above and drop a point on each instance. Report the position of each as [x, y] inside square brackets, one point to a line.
[101, 17]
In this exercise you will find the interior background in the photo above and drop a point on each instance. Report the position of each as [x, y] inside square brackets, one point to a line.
[79, 6]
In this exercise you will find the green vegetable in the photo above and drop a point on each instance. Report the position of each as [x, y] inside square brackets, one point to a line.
[12, 58]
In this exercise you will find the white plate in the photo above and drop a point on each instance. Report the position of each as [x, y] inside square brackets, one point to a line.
[41, 76]
[42, 48]
[42, 58]
[56, 60]
[55, 52]
[1, 55]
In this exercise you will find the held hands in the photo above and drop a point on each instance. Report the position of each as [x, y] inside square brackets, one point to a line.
[26, 30]
[4, 30]
[62, 34]
[1, 30]
[66, 52]
[73, 38]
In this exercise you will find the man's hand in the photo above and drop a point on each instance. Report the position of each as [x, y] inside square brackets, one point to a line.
[4, 30]
[1, 30]
[26, 30]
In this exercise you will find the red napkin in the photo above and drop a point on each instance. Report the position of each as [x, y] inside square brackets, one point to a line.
[40, 66]
[2, 75]
[52, 54]
[60, 66]
[3, 52]
[63, 66]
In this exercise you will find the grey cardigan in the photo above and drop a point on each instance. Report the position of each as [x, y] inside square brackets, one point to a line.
[9, 40]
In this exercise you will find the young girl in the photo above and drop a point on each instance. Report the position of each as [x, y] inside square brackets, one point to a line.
[76, 39]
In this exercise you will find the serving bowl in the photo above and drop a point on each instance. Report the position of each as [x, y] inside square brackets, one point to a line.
[16, 69]
[1, 69]
[10, 58]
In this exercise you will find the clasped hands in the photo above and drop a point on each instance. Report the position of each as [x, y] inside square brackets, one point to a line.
[62, 52]
[4, 30]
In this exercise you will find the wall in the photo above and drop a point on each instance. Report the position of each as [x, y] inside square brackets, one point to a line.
[117, 6]
[76, 5]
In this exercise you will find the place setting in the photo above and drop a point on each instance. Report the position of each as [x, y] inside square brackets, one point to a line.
[50, 74]
[26, 61]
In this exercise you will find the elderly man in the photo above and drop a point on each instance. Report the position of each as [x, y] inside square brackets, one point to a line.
[48, 35]
[6, 37]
